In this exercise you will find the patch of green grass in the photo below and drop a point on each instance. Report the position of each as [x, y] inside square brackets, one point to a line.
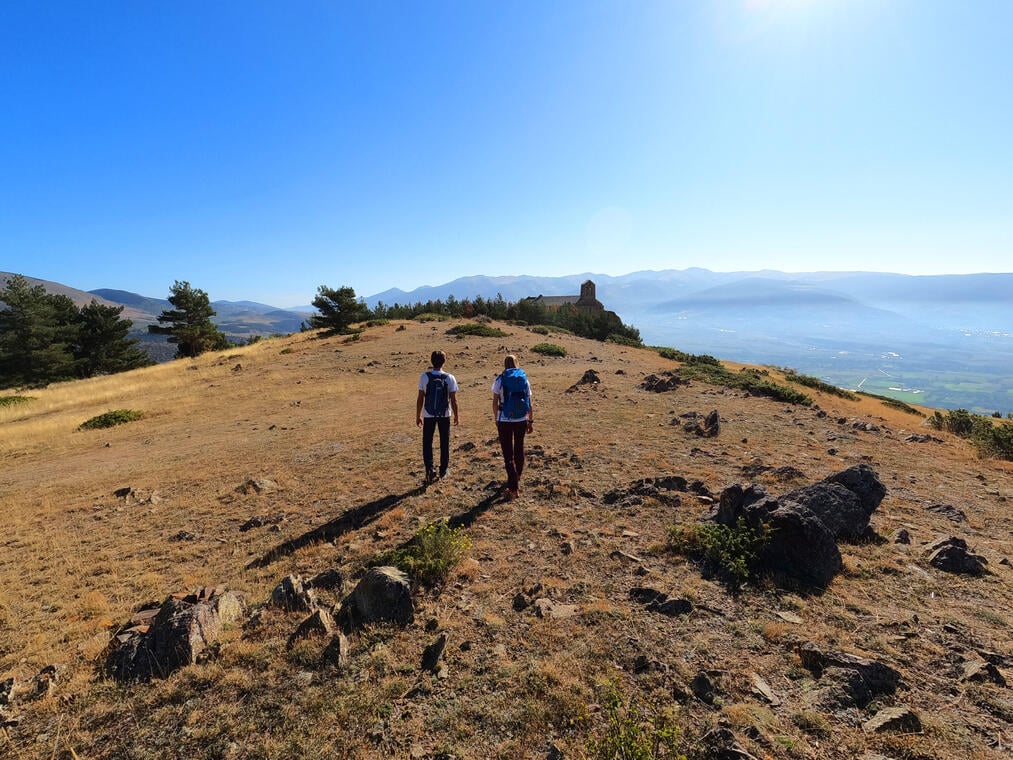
[633, 731]
[893, 403]
[730, 552]
[475, 328]
[752, 380]
[623, 340]
[111, 419]
[431, 316]
[6, 401]
[431, 553]
[549, 349]
[377, 322]
[816, 384]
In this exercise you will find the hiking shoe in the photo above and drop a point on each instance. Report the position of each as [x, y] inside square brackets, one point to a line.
[431, 476]
[444, 473]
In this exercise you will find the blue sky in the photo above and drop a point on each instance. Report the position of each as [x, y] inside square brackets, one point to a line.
[260, 149]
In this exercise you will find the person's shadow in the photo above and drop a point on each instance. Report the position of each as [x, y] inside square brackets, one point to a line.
[363, 515]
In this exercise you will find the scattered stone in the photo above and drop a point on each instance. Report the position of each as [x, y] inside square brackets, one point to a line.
[261, 520]
[335, 653]
[330, 579]
[433, 654]
[762, 689]
[621, 556]
[39, 686]
[951, 555]
[703, 688]
[789, 617]
[666, 381]
[876, 677]
[948, 511]
[590, 377]
[788, 473]
[466, 446]
[709, 428]
[320, 623]
[257, 485]
[922, 438]
[292, 595]
[546, 608]
[657, 601]
[901, 536]
[720, 744]
[161, 639]
[980, 671]
[898, 720]
[182, 535]
[383, 595]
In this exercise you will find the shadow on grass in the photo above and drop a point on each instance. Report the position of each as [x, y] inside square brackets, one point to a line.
[353, 519]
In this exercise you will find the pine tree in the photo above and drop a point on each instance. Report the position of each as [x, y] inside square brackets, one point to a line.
[102, 343]
[338, 309]
[189, 324]
[37, 330]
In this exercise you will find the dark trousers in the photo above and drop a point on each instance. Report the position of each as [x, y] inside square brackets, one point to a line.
[511, 441]
[429, 425]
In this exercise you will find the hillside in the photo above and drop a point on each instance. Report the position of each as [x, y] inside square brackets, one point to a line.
[297, 455]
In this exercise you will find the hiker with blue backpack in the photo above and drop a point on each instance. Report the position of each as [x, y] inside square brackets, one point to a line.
[511, 408]
[436, 400]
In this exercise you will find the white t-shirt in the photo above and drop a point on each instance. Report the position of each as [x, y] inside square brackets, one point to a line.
[497, 390]
[451, 388]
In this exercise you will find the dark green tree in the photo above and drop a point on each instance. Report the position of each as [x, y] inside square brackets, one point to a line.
[102, 344]
[37, 330]
[338, 309]
[189, 324]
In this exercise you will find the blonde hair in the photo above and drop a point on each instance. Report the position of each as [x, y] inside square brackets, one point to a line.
[510, 362]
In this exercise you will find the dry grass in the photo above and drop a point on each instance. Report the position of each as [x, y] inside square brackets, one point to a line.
[332, 423]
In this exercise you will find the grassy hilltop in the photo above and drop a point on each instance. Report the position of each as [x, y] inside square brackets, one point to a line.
[329, 422]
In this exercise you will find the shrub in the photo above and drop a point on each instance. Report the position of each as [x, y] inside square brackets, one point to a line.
[623, 340]
[815, 383]
[752, 380]
[377, 322]
[539, 329]
[430, 316]
[475, 328]
[729, 552]
[111, 419]
[431, 553]
[990, 439]
[14, 400]
[286, 350]
[632, 732]
[549, 349]
[676, 355]
[892, 402]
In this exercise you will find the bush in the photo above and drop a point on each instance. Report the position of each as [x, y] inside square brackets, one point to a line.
[892, 402]
[377, 322]
[633, 733]
[430, 316]
[539, 329]
[729, 552]
[675, 355]
[752, 380]
[988, 438]
[475, 328]
[6, 401]
[815, 383]
[623, 340]
[111, 419]
[431, 553]
[549, 349]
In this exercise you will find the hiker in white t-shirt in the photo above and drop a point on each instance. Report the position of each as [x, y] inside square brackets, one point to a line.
[436, 400]
[511, 408]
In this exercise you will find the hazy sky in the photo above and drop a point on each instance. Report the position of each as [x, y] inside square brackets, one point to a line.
[260, 149]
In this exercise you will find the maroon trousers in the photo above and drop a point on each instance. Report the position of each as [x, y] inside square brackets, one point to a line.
[511, 441]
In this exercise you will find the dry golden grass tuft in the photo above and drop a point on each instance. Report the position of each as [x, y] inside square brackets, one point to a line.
[331, 423]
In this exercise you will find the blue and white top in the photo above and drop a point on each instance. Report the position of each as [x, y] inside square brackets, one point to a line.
[497, 390]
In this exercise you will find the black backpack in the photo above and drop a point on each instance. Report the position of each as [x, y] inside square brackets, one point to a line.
[437, 393]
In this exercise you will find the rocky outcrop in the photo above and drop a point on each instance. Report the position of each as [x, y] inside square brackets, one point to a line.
[382, 596]
[951, 554]
[161, 639]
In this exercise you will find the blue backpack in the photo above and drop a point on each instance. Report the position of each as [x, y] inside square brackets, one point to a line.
[437, 393]
[516, 398]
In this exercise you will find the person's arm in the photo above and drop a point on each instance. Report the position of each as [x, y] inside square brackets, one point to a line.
[531, 410]
[453, 406]
[495, 407]
[418, 407]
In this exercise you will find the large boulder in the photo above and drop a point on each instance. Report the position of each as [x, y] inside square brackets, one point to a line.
[382, 596]
[844, 501]
[800, 548]
[160, 640]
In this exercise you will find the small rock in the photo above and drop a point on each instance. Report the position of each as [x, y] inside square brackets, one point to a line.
[434, 653]
[898, 720]
[983, 672]
[320, 623]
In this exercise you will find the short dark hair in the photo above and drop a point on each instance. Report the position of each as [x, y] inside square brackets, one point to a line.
[438, 359]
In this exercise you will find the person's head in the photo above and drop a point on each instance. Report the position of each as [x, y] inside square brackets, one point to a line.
[438, 359]
[510, 362]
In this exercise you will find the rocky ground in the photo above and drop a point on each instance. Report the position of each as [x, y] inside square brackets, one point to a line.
[299, 457]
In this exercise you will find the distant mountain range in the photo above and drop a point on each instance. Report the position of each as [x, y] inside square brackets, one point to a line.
[942, 340]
